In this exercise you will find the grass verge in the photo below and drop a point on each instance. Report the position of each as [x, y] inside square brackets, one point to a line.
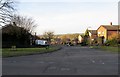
[8, 52]
[108, 48]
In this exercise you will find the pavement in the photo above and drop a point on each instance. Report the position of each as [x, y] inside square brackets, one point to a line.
[72, 60]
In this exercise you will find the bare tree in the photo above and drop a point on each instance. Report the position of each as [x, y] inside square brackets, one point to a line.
[25, 22]
[6, 11]
[48, 35]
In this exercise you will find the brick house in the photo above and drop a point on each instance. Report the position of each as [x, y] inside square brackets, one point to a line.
[106, 31]
[92, 36]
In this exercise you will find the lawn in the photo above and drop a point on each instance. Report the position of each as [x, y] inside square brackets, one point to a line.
[108, 48]
[9, 52]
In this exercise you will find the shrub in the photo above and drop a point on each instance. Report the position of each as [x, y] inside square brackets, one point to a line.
[112, 42]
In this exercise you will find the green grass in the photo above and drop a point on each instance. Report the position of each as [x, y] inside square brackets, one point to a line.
[108, 48]
[8, 52]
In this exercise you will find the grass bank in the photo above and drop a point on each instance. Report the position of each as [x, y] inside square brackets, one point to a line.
[8, 52]
[108, 48]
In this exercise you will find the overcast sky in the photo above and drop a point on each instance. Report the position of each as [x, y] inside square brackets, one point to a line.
[69, 16]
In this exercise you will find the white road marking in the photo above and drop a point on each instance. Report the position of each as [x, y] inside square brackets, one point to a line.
[93, 61]
[103, 63]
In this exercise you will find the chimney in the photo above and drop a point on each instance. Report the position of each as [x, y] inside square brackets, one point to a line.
[110, 23]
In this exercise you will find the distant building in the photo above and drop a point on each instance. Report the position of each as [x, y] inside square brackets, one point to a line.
[80, 39]
[105, 31]
[13, 35]
[93, 34]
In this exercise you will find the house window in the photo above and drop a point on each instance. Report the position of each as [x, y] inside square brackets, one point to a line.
[99, 32]
[102, 32]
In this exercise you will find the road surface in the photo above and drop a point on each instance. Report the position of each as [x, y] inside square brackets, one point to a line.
[72, 60]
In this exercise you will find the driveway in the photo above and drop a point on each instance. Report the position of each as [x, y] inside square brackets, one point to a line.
[72, 60]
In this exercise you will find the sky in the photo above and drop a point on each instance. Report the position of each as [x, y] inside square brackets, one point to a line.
[69, 16]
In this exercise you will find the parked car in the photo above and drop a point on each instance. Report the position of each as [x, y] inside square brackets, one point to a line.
[69, 44]
[41, 43]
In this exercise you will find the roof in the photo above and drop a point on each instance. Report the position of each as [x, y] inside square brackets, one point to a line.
[93, 31]
[111, 27]
[81, 36]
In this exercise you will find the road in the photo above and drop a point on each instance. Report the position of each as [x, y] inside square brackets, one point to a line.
[72, 60]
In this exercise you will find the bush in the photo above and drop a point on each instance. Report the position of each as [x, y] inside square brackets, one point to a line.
[112, 42]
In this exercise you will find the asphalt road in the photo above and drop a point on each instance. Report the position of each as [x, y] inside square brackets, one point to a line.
[67, 61]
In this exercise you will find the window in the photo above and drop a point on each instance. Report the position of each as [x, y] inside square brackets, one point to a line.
[99, 32]
[102, 32]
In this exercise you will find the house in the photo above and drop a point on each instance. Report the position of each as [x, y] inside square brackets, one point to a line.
[80, 39]
[13, 35]
[106, 31]
[93, 34]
